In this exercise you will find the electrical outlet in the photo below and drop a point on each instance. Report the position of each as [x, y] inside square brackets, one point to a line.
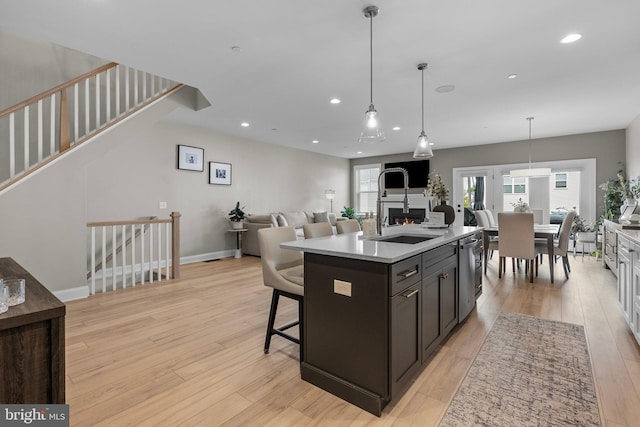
[342, 287]
[163, 205]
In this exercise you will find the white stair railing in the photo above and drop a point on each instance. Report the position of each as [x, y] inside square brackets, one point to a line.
[45, 126]
[125, 253]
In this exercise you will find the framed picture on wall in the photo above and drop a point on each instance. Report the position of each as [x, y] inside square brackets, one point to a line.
[219, 173]
[190, 158]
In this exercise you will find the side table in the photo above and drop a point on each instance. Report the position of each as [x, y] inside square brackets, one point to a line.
[238, 232]
[32, 345]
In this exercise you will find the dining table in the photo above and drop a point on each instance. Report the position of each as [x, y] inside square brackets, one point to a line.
[541, 231]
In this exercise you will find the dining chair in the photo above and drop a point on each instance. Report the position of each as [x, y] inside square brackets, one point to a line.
[483, 221]
[537, 216]
[317, 229]
[282, 270]
[491, 218]
[560, 246]
[347, 226]
[517, 240]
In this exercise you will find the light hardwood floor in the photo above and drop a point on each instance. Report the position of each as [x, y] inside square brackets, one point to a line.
[189, 352]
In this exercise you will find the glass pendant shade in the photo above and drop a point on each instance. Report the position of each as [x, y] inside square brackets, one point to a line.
[371, 132]
[423, 149]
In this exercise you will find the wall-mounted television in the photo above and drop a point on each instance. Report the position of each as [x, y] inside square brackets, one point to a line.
[418, 171]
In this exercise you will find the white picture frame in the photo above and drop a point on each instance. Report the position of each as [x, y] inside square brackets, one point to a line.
[190, 158]
[219, 173]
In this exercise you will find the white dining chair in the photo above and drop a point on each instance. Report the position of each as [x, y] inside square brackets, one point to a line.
[517, 241]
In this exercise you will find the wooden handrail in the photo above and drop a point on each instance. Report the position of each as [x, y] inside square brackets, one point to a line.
[56, 89]
[151, 220]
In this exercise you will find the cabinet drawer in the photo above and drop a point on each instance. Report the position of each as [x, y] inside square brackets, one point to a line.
[434, 256]
[405, 273]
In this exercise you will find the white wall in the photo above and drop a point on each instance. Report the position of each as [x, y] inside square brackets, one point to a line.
[633, 149]
[126, 172]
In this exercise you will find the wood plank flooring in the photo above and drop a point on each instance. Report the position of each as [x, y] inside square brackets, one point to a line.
[189, 352]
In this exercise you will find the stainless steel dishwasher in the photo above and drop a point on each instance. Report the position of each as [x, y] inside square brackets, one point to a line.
[470, 274]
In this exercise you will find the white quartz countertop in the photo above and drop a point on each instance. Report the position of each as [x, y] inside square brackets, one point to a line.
[633, 235]
[353, 245]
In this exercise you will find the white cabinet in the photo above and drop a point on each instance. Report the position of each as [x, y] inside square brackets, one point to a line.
[624, 275]
[634, 288]
[629, 282]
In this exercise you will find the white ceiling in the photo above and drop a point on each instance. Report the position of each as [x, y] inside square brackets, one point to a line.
[296, 55]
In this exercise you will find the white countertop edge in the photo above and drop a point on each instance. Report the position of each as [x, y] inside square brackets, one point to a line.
[631, 234]
[353, 246]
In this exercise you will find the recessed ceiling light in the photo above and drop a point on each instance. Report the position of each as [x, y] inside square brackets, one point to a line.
[358, 152]
[432, 143]
[571, 38]
[235, 49]
[315, 141]
[512, 76]
[445, 88]
[244, 124]
[396, 128]
[335, 101]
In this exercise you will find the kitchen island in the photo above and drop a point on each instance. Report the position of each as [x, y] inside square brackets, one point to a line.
[375, 309]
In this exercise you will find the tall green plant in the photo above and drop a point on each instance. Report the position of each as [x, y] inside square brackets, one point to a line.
[615, 192]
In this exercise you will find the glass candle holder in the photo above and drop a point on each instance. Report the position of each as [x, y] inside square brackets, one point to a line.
[4, 297]
[15, 288]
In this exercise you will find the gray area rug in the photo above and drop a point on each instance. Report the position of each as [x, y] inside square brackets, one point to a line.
[529, 372]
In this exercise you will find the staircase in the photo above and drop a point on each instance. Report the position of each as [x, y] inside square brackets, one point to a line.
[45, 127]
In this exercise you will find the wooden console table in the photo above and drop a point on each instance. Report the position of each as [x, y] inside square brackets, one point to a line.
[32, 348]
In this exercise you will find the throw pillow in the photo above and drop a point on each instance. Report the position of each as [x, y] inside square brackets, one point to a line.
[320, 217]
[295, 219]
[281, 221]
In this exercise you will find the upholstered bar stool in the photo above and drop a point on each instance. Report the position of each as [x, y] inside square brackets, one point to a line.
[317, 229]
[347, 226]
[282, 270]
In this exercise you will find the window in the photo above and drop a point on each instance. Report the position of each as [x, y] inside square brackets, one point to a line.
[366, 187]
[514, 185]
[561, 180]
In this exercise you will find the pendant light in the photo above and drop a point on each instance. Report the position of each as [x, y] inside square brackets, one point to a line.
[423, 148]
[530, 172]
[371, 132]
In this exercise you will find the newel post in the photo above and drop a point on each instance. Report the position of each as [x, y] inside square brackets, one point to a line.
[175, 245]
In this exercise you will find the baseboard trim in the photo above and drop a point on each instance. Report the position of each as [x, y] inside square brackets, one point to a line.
[83, 291]
[72, 294]
[207, 257]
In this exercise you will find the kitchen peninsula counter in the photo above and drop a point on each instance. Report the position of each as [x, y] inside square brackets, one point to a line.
[354, 246]
[375, 311]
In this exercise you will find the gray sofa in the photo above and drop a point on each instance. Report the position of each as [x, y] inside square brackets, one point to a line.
[295, 219]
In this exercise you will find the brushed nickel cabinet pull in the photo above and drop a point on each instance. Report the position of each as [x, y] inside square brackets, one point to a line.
[410, 294]
[409, 273]
[444, 275]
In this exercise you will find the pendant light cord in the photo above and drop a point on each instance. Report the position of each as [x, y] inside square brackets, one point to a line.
[529, 119]
[371, 58]
[422, 71]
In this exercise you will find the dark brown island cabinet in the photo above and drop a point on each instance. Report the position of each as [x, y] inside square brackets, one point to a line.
[367, 346]
[32, 353]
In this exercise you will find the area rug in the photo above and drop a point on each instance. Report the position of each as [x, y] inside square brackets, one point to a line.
[529, 372]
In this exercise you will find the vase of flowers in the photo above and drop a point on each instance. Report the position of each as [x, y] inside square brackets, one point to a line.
[437, 189]
[520, 206]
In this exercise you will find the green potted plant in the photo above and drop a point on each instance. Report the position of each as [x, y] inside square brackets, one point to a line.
[236, 216]
[615, 191]
[348, 212]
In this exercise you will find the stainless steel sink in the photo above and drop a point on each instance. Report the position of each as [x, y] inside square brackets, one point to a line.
[405, 238]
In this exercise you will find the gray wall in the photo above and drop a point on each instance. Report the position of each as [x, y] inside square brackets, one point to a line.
[607, 147]
[633, 149]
